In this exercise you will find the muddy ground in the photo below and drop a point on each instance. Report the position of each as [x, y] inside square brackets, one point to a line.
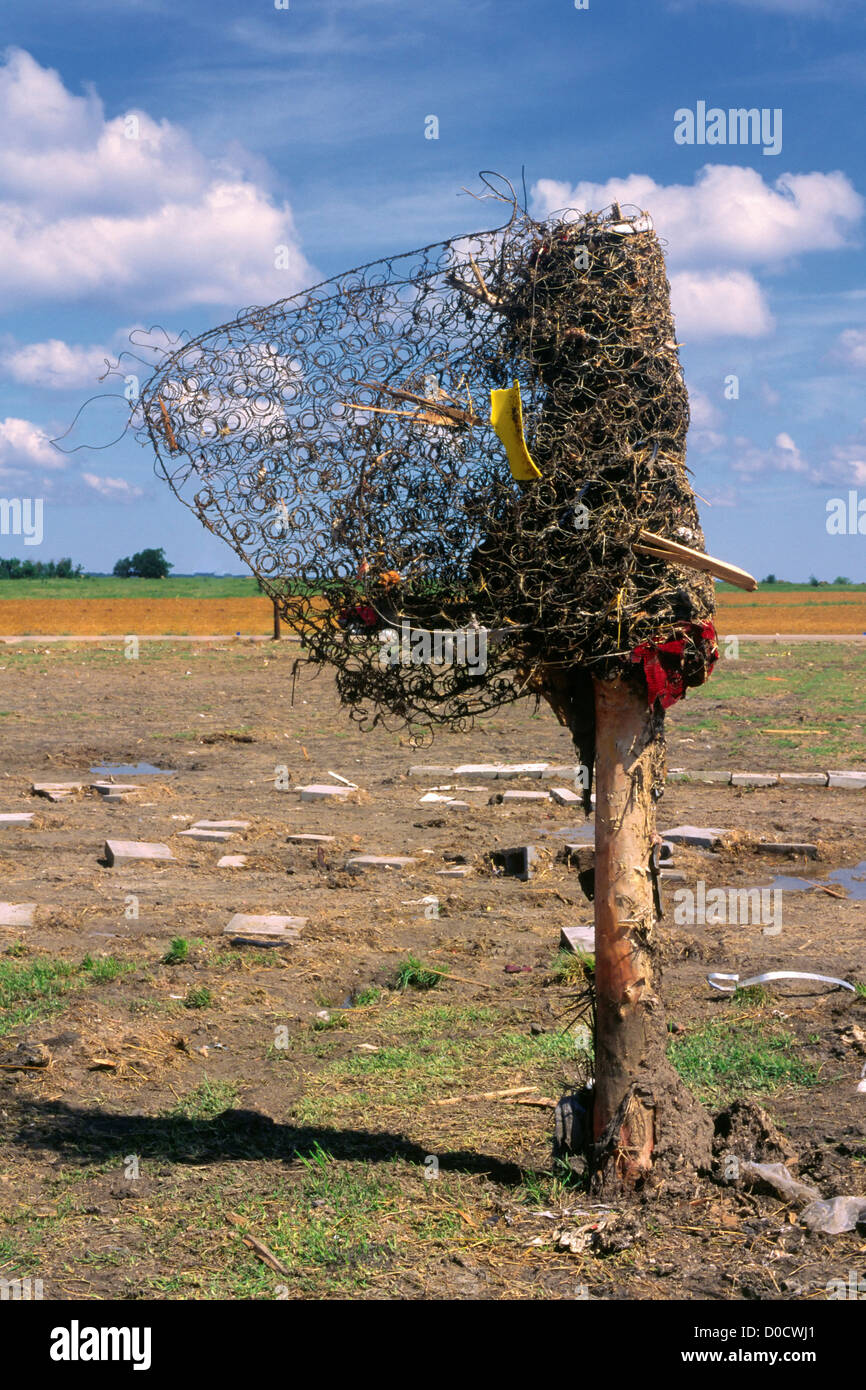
[251, 1123]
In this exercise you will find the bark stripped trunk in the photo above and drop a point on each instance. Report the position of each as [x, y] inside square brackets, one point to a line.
[642, 1114]
[645, 1124]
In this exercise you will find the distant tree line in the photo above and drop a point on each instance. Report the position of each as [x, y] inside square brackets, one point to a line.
[39, 569]
[145, 564]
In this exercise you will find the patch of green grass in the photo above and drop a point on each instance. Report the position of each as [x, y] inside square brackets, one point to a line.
[40, 988]
[425, 1065]
[200, 998]
[177, 952]
[572, 967]
[413, 974]
[205, 1101]
[371, 995]
[860, 988]
[727, 1058]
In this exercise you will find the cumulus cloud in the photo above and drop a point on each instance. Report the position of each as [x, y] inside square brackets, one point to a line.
[55, 365]
[24, 446]
[851, 347]
[112, 489]
[730, 215]
[782, 457]
[719, 304]
[128, 207]
[845, 464]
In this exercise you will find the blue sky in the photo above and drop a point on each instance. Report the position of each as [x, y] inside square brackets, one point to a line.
[152, 154]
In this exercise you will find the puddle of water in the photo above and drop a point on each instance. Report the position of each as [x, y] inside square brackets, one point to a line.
[132, 770]
[853, 880]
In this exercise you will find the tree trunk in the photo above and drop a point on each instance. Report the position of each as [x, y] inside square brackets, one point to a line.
[644, 1120]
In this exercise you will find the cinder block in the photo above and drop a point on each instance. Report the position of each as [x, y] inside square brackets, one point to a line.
[511, 797]
[517, 862]
[849, 781]
[17, 914]
[221, 825]
[563, 796]
[319, 791]
[578, 939]
[697, 836]
[217, 837]
[757, 779]
[804, 779]
[265, 930]
[361, 863]
[792, 848]
[127, 851]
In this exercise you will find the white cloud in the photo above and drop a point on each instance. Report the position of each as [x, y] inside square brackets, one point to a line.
[55, 365]
[851, 347]
[25, 446]
[730, 215]
[719, 304]
[128, 207]
[113, 489]
[704, 414]
[846, 465]
[782, 457]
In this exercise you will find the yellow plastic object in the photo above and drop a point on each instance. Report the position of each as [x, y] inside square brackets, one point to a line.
[506, 417]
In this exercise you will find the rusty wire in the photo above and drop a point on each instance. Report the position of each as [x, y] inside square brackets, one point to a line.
[339, 441]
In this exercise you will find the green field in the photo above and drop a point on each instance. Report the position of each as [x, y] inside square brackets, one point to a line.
[107, 586]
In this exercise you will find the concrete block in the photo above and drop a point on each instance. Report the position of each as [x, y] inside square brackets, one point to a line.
[757, 779]
[320, 791]
[455, 871]
[517, 862]
[114, 789]
[488, 771]
[849, 781]
[17, 914]
[16, 817]
[676, 774]
[56, 791]
[221, 825]
[232, 861]
[698, 837]
[563, 796]
[264, 930]
[434, 796]
[556, 771]
[310, 839]
[522, 770]
[803, 779]
[710, 778]
[578, 939]
[361, 863]
[510, 797]
[127, 851]
[429, 770]
[789, 848]
[216, 837]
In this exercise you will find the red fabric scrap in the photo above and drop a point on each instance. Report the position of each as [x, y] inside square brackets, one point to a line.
[670, 667]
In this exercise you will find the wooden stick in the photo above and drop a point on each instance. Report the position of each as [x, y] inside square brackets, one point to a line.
[423, 416]
[463, 417]
[664, 549]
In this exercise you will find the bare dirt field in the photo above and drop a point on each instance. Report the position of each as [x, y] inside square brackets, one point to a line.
[795, 611]
[221, 1121]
